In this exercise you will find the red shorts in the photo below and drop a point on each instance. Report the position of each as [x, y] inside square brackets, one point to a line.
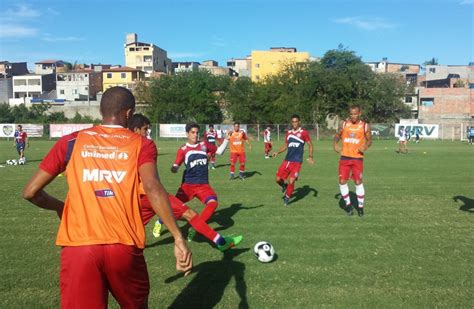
[348, 167]
[203, 192]
[268, 147]
[88, 273]
[177, 207]
[234, 156]
[287, 168]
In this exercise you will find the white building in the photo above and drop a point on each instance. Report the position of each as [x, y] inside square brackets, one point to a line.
[185, 66]
[145, 56]
[242, 66]
[49, 66]
[78, 85]
[32, 85]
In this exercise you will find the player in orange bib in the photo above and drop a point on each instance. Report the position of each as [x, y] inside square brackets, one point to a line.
[237, 137]
[101, 231]
[356, 138]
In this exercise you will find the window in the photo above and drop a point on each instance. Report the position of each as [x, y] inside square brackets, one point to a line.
[428, 102]
[257, 65]
[61, 91]
[147, 58]
[257, 77]
[408, 99]
[109, 75]
[74, 91]
[123, 75]
[131, 49]
[432, 70]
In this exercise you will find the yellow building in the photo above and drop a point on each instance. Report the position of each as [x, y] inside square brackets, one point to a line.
[124, 77]
[268, 62]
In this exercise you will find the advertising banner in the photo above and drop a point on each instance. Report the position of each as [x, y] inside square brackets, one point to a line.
[172, 130]
[423, 130]
[59, 130]
[7, 130]
[33, 130]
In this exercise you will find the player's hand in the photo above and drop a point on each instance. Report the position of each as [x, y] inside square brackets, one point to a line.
[361, 150]
[336, 148]
[274, 155]
[174, 169]
[250, 147]
[184, 256]
[310, 160]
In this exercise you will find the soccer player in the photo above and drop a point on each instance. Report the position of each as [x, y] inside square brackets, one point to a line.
[295, 140]
[471, 135]
[101, 232]
[139, 124]
[195, 182]
[356, 139]
[20, 141]
[211, 137]
[267, 140]
[402, 140]
[237, 137]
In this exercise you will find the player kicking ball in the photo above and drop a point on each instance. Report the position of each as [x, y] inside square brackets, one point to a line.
[295, 140]
[356, 138]
[140, 124]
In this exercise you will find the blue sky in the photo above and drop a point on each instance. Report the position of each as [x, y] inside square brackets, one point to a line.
[94, 31]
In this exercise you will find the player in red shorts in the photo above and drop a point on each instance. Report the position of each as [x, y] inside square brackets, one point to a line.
[140, 125]
[356, 139]
[295, 140]
[211, 137]
[267, 140]
[195, 181]
[236, 138]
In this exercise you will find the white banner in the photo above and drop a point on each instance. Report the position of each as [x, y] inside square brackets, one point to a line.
[59, 130]
[33, 130]
[172, 130]
[222, 129]
[7, 130]
[423, 130]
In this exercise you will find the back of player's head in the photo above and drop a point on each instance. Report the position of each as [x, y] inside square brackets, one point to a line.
[211, 126]
[138, 121]
[115, 100]
[295, 116]
[191, 126]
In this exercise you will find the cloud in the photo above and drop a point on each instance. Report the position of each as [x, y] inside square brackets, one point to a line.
[466, 2]
[22, 11]
[185, 55]
[48, 38]
[16, 31]
[368, 24]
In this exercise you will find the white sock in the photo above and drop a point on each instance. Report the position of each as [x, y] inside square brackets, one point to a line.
[345, 193]
[360, 194]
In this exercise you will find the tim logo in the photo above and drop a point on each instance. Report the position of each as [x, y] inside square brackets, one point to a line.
[123, 156]
[293, 144]
[96, 175]
[104, 193]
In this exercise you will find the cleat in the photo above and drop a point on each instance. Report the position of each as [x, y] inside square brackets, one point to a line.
[241, 177]
[349, 210]
[157, 229]
[286, 201]
[191, 234]
[231, 177]
[213, 167]
[360, 211]
[230, 242]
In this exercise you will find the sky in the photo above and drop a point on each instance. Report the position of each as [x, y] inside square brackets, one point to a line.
[404, 31]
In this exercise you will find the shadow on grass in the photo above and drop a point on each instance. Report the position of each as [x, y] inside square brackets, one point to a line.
[222, 165]
[208, 286]
[468, 203]
[251, 174]
[342, 203]
[301, 192]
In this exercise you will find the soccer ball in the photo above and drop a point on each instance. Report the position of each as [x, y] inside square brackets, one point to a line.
[22, 161]
[9, 162]
[264, 251]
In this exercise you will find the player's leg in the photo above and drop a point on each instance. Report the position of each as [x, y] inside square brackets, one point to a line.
[360, 191]
[242, 160]
[82, 281]
[233, 158]
[213, 161]
[127, 275]
[294, 168]
[344, 172]
[208, 197]
[282, 174]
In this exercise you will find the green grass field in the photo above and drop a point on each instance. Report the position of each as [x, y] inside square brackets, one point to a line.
[414, 247]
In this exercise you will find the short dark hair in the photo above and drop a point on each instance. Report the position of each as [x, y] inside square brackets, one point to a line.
[138, 121]
[115, 100]
[21, 127]
[295, 116]
[192, 125]
[236, 123]
[354, 107]
[211, 126]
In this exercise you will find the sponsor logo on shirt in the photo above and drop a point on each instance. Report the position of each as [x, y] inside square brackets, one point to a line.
[293, 144]
[106, 156]
[351, 140]
[104, 193]
[96, 175]
[198, 162]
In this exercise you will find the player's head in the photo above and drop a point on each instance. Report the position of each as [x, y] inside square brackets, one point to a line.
[211, 127]
[295, 121]
[192, 131]
[117, 105]
[268, 128]
[20, 127]
[139, 124]
[354, 113]
[236, 126]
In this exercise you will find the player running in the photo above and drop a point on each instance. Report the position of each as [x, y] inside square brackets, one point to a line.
[356, 139]
[295, 140]
[236, 138]
[267, 140]
[195, 182]
[402, 140]
[140, 124]
[211, 137]
[20, 141]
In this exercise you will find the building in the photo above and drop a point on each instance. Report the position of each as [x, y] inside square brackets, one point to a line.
[33, 86]
[241, 66]
[6, 89]
[124, 76]
[49, 67]
[265, 63]
[213, 67]
[145, 56]
[9, 69]
[78, 85]
[448, 76]
[186, 66]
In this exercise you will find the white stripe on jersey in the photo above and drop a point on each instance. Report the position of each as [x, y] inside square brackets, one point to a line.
[295, 137]
[189, 153]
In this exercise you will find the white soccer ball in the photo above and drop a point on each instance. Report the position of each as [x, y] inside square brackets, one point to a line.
[14, 162]
[21, 161]
[264, 252]
[9, 162]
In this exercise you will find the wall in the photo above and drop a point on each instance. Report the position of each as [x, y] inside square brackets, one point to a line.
[449, 104]
[268, 63]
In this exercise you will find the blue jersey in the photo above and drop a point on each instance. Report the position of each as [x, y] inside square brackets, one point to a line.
[295, 141]
[195, 159]
[471, 131]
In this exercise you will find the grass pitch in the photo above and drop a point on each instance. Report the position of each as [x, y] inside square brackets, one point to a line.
[414, 247]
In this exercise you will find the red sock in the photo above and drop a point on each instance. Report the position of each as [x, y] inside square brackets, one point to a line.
[232, 168]
[208, 210]
[289, 189]
[202, 228]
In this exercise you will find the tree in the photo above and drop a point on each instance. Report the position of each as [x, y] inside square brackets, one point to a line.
[432, 61]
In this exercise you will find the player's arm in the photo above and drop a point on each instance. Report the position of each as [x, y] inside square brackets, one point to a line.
[310, 157]
[27, 140]
[246, 139]
[178, 161]
[282, 149]
[34, 192]
[337, 138]
[368, 138]
[161, 206]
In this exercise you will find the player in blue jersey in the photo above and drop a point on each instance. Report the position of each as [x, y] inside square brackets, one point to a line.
[20, 141]
[295, 140]
[195, 182]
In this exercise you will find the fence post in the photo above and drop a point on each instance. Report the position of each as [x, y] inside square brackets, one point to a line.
[156, 132]
[442, 132]
[278, 132]
[452, 134]
[317, 132]
[258, 132]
